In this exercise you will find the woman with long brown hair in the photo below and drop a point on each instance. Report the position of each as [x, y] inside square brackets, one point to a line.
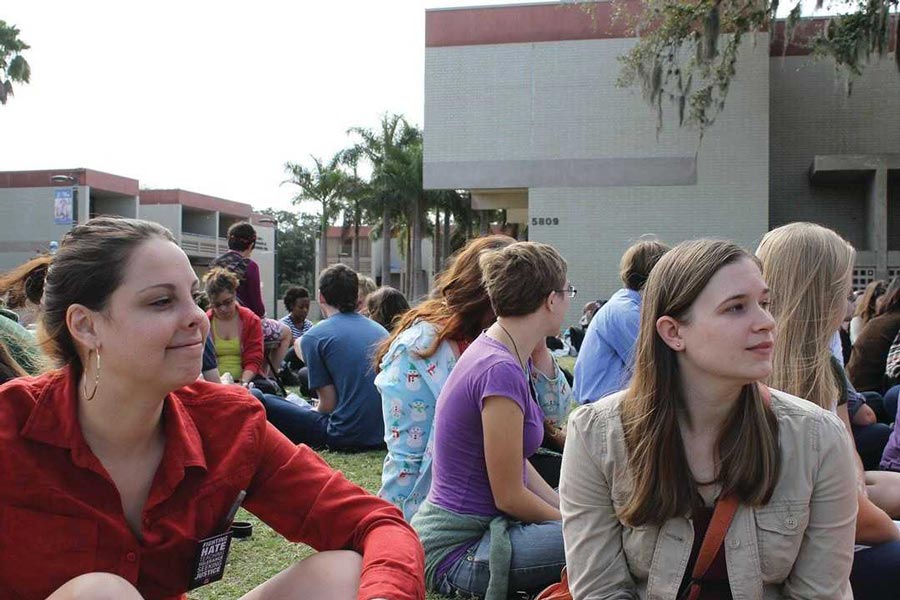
[645, 469]
[414, 363]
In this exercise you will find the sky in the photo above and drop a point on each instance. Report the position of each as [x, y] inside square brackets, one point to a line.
[211, 97]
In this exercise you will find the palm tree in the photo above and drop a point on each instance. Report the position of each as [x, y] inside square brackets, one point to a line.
[447, 204]
[402, 173]
[13, 66]
[358, 193]
[325, 183]
[379, 146]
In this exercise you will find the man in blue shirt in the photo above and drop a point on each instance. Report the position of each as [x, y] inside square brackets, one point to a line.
[605, 360]
[338, 354]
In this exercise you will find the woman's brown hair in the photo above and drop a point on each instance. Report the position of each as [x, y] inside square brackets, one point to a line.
[890, 301]
[459, 301]
[519, 278]
[89, 266]
[218, 280]
[747, 453]
[869, 301]
[25, 282]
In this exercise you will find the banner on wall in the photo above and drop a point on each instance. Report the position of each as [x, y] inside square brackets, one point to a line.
[63, 213]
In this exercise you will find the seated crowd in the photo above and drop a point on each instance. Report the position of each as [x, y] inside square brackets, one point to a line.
[734, 432]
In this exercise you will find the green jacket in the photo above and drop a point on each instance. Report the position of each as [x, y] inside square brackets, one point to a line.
[442, 531]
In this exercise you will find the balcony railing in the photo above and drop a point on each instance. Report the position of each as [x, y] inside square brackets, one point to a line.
[199, 245]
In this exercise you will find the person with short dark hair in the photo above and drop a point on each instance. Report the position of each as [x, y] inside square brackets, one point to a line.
[338, 354]
[293, 369]
[296, 302]
[241, 243]
[385, 305]
[605, 360]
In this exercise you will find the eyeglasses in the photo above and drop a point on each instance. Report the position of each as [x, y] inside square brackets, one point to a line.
[570, 291]
[223, 303]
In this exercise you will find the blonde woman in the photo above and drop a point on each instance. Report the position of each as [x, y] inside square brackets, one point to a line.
[809, 269]
[644, 469]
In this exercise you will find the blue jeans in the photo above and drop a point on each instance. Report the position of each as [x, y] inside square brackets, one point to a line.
[876, 572]
[870, 442]
[538, 557]
[301, 425]
[890, 402]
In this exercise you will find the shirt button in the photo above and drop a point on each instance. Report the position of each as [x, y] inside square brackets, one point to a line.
[734, 543]
[131, 557]
[790, 522]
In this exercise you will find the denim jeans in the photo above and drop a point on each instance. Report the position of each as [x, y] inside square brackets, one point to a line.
[538, 557]
[870, 442]
[890, 402]
[301, 425]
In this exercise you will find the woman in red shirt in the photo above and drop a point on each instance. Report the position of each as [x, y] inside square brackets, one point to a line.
[236, 331]
[114, 471]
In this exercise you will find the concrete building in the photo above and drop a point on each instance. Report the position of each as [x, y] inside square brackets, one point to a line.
[339, 246]
[522, 109]
[38, 207]
[200, 224]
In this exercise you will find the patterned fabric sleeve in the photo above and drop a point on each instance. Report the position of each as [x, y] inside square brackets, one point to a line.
[409, 387]
[554, 395]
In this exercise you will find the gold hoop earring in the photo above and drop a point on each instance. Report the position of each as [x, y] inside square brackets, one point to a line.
[90, 397]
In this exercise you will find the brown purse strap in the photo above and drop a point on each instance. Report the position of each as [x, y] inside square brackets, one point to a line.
[723, 514]
[726, 506]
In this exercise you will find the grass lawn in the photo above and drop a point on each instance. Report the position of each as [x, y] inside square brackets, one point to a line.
[257, 559]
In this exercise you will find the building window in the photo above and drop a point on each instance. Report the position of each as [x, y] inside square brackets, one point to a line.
[346, 247]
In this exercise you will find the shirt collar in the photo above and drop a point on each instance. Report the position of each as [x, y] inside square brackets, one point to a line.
[54, 421]
[632, 294]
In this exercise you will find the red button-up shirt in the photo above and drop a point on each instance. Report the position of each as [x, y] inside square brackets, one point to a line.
[61, 514]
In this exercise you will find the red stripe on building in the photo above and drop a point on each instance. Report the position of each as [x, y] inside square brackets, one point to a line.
[489, 25]
[195, 200]
[95, 179]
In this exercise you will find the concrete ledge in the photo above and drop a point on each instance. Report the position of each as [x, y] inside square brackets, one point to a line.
[575, 173]
[829, 168]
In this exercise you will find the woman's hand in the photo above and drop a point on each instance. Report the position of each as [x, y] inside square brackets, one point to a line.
[554, 436]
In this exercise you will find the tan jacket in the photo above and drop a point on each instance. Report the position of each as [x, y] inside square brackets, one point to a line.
[799, 545]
